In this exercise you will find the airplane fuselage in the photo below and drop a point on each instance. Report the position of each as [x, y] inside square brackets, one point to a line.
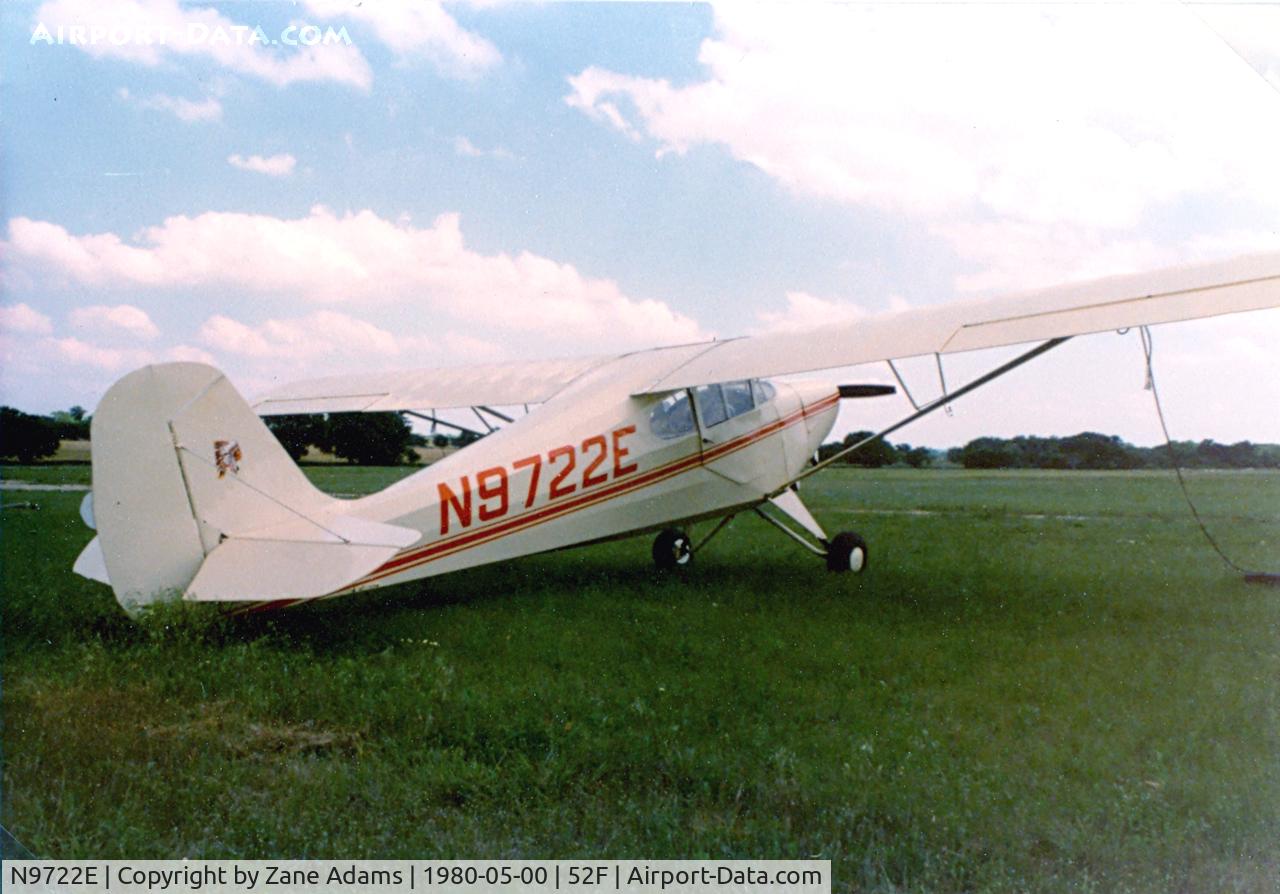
[595, 463]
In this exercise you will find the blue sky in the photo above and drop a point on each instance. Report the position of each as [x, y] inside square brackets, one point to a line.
[470, 182]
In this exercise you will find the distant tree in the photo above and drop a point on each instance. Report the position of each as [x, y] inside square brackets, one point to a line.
[369, 439]
[989, 453]
[872, 456]
[297, 433]
[1038, 453]
[440, 440]
[915, 457]
[26, 438]
[1268, 455]
[1090, 450]
[71, 425]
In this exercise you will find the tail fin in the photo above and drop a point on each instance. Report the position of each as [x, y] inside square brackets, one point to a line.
[195, 498]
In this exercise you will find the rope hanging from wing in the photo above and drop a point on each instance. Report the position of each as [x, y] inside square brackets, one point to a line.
[1253, 577]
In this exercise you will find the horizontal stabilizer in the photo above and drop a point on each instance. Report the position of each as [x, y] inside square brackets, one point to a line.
[91, 563]
[330, 528]
[269, 570]
[302, 559]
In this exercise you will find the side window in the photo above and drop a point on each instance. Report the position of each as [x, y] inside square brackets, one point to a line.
[764, 391]
[711, 409]
[672, 417]
[737, 397]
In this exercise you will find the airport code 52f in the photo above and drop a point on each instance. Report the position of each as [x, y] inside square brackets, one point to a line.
[569, 469]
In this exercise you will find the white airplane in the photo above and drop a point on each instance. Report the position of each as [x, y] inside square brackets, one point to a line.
[193, 497]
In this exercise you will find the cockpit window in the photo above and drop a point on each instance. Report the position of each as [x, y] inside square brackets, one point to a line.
[711, 408]
[764, 391]
[737, 397]
[672, 417]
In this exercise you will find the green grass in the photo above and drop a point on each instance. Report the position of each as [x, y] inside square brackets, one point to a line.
[1049, 684]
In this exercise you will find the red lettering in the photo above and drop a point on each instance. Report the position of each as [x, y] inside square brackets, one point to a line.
[489, 491]
[619, 452]
[536, 462]
[462, 507]
[589, 480]
[558, 487]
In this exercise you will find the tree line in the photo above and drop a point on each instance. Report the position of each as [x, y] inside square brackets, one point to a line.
[27, 438]
[381, 439]
[1087, 450]
[387, 439]
[1090, 450]
[367, 439]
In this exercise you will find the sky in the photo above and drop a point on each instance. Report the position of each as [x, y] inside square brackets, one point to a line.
[287, 190]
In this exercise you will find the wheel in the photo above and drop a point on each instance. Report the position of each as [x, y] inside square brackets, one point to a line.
[847, 551]
[672, 549]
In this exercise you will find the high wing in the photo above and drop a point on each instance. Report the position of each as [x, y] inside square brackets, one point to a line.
[1163, 296]
[1179, 293]
[495, 384]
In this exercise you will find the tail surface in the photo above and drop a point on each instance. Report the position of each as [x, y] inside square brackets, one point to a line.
[194, 498]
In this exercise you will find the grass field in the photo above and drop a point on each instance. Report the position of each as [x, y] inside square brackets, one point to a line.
[1044, 682]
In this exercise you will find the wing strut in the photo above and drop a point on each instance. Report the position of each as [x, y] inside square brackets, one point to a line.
[436, 420]
[905, 389]
[942, 401]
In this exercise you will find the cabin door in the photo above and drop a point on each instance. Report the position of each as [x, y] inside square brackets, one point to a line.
[737, 425]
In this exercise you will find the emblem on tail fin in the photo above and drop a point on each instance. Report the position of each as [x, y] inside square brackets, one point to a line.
[227, 456]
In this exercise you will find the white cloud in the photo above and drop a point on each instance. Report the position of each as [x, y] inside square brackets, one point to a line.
[191, 354]
[1068, 128]
[358, 259]
[467, 149]
[24, 319]
[76, 351]
[805, 311]
[273, 165]
[125, 318]
[470, 349]
[418, 28]
[152, 31]
[1011, 255]
[324, 334]
[190, 111]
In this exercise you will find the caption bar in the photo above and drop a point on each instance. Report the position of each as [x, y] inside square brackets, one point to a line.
[412, 876]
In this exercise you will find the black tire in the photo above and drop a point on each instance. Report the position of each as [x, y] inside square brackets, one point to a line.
[847, 552]
[672, 549]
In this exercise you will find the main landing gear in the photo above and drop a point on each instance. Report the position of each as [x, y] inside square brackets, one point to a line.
[845, 552]
[672, 549]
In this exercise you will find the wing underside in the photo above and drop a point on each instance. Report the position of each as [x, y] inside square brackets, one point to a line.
[498, 384]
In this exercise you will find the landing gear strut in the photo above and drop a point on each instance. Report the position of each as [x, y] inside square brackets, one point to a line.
[672, 549]
[846, 551]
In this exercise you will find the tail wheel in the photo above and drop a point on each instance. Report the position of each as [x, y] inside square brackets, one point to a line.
[672, 549]
[847, 551]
